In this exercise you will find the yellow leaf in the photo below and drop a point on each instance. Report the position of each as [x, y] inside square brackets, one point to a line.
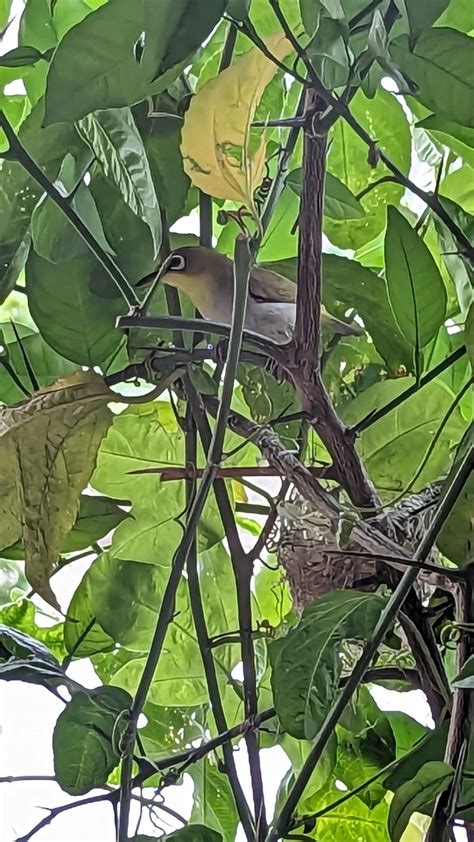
[48, 448]
[216, 130]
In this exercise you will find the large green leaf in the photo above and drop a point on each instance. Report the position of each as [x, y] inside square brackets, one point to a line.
[422, 13]
[347, 284]
[116, 144]
[74, 321]
[415, 288]
[213, 801]
[407, 429]
[19, 193]
[47, 365]
[465, 677]
[114, 74]
[96, 518]
[305, 663]
[384, 119]
[440, 63]
[85, 739]
[351, 820]
[417, 795]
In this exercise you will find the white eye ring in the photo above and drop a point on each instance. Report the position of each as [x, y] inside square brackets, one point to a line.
[178, 263]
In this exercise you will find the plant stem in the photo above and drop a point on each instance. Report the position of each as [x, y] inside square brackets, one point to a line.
[24, 158]
[283, 822]
[242, 266]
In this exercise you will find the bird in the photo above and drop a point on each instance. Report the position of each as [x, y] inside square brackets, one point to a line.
[206, 276]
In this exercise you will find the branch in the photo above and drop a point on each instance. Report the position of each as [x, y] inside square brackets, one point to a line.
[462, 715]
[389, 614]
[202, 634]
[340, 109]
[242, 266]
[243, 573]
[20, 153]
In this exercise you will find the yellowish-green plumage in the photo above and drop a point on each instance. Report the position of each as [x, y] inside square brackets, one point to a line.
[206, 276]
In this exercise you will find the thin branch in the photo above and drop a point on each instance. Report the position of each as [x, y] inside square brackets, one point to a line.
[389, 614]
[243, 573]
[168, 474]
[340, 109]
[202, 634]
[459, 734]
[21, 154]
[242, 266]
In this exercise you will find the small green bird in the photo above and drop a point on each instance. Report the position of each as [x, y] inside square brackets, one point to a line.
[206, 276]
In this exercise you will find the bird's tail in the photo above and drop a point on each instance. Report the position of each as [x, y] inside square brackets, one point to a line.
[342, 328]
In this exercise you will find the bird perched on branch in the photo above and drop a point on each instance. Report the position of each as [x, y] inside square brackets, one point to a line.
[206, 276]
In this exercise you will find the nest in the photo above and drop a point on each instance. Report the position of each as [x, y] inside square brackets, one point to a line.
[310, 551]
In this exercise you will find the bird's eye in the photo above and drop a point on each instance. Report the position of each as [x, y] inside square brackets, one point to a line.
[177, 263]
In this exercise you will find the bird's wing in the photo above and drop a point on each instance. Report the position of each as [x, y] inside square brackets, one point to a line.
[267, 286]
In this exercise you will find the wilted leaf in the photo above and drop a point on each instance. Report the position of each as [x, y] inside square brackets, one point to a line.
[85, 739]
[216, 132]
[48, 446]
[305, 663]
[415, 287]
[417, 795]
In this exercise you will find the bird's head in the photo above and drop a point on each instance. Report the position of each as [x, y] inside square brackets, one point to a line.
[199, 272]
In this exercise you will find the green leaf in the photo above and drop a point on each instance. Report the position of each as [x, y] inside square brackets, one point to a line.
[47, 365]
[110, 78]
[408, 428]
[20, 56]
[54, 237]
[85, 739]
[67, 13]
[384, 119]
[5, 7]
[367, 294]
[465, 678]
[440, 64]
[423, 13]
[174, 29]
[161, 138]
[16, 644]
[458, 15]
[456, 537]
[310, 11]
[116, 144]
[305, 663]
[415, 288]
[74, 321]
[352, 820]
[83, 635]
[339, 202]
[213, 801]
[460, 139]
[329, 52]
[39, 672]
[429, 748]
[19, 193]
[97, 517]
[114, 74]
[417, 796]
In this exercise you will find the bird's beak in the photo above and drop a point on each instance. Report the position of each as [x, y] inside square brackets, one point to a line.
[153, 279]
